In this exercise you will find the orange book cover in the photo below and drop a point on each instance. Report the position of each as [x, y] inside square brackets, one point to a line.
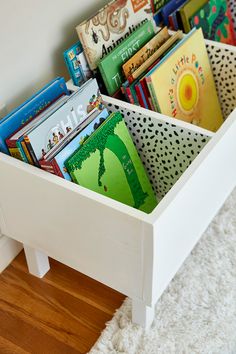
[183, 86]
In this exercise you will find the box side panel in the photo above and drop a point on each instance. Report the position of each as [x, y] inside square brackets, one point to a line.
[166, 146]
[192, 203]
[50, 214]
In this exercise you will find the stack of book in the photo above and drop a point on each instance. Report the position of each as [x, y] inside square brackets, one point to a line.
[166, 72]
[213, 16]
[72, 135]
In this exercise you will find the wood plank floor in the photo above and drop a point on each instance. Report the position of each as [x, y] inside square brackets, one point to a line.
[62, 313]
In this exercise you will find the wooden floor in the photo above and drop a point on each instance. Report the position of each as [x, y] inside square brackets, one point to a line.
[62, 313]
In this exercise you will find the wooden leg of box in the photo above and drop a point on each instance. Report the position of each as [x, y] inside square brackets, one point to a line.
[38, 263]
[142, 314]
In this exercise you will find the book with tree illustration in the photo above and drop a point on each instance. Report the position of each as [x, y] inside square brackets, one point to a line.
[108, 163]
[182, 84]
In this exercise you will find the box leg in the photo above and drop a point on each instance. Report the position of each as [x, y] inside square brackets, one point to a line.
[38, 263]
[142, 314]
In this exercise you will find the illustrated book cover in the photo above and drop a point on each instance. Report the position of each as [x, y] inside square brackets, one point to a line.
[77, 64]
[170, 7]
[46, 135]
[182, 84]
[101, 33]
[110, 67]
[30, 108]
[188, 10]
[216, 21]
[108, 163]
[56, 162]
[15, 142]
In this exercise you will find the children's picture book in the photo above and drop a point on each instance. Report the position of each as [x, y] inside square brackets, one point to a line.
[145, 52]
[44, 136]
[101, 33]
[216, 21]
[188, 10]
[55, 162]
[30, 108]
[182, 84]
[170, 7]
[108, 163]
[15, 142]
[77, 64]
[111, 66]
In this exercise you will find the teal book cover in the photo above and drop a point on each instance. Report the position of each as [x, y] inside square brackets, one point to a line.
[111, 66]
[108, 163]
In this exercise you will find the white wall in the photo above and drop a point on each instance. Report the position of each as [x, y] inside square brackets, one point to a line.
[33, 36]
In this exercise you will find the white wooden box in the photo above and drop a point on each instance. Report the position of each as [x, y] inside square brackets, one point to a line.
[192, 171]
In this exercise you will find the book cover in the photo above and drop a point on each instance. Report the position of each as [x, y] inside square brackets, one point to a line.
[182, 84]
[108, 163]
[14, 142]
[216, 21]
[30, 108]
[56, 164]
[188, 10]
[77, 64]
[145, 52]
[111, 66]
[45, 136]
[158, 4]
[100, 34]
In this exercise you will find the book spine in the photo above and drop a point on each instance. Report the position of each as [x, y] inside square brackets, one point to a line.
[105, 80]
[31, 151]
[14, 150]
[158, 4]
[139, 96]
[152, 94]
[51, 167]
[28, 157]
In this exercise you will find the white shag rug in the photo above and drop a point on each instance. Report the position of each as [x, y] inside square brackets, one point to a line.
[197, 312]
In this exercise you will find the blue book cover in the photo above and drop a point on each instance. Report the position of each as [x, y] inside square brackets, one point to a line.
[77, 64]
[78, 140]
[42, 138]
[169, 8]
[30, 108]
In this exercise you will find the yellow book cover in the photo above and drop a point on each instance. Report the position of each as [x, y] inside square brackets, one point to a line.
[183, 85]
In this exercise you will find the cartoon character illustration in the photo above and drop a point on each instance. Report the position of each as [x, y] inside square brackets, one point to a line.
[55, 138]
[43, 153]
[50, 144]
[61, 136]
[68, 129]
[95, 102]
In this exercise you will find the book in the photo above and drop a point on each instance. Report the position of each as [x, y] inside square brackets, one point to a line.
[158, 4]
[15, 142]
[49, 132]
[101, 33]
[154, 57]
[170, 7]
[216, 21]
[145, 52]
[188, 10]
[54, 163]
[110, 67]
[182, 84]
[108, 163]
[30, 108]
[77, 64]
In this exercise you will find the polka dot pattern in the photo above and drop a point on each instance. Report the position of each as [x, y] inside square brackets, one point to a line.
[165, 149]
[223, 62]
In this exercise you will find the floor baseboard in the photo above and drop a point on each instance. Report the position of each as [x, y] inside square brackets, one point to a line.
[9, 249]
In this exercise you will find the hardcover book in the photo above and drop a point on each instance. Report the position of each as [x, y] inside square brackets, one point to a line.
[100, 34]
[182, 84]
[188, 10]
[158, 4]
[111, 66]
[216, 21]
[55, 163]
[170, 7]
[46, 135]
[30, 108]
[77, 64]
[108, 163]
[145, 52]
[15, 142]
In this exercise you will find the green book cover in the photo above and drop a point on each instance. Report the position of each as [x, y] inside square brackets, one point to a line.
[108, 163]
[187, 11]
[111, 66]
